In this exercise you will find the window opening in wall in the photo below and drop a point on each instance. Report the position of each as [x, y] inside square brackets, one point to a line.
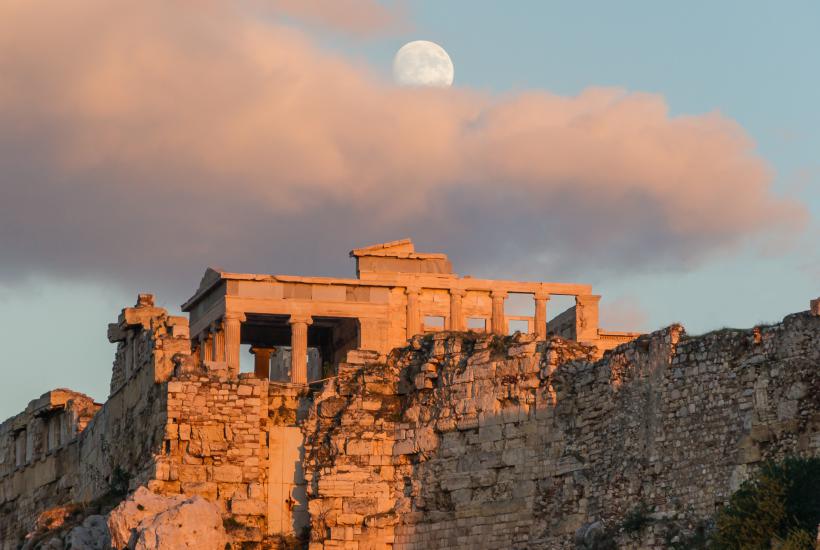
[478, 324]
[519, 325]
[519, 304]
[20, 448]
[53, 426]
[433, 322]
[519, 309]
[29, 446]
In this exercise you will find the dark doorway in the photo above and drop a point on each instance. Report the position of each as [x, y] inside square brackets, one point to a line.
[329, 340]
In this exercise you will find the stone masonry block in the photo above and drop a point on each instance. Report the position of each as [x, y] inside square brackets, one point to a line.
[192, 473]
[248, 507]
[227, 473]
[206, 490]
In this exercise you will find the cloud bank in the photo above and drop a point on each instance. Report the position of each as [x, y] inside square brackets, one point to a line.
[361, 17]
[142, 141]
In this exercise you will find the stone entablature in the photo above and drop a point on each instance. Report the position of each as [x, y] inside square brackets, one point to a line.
[395, 295]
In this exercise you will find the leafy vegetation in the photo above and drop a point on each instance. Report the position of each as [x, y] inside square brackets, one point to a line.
[119, 482]
[637, 518]
[778, 507]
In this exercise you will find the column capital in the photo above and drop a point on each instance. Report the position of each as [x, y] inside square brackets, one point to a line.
[412, 290]
[588, 298]
[541, 295]
[499, 294]
[300, 318]
[458, 292]
[234, 316]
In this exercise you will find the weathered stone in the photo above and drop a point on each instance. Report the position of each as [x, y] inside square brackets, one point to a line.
[248, 507]
[527, 455]
[92, 534]
[194, 524]
[506, 441]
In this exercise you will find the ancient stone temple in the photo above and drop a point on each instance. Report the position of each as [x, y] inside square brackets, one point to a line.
[426, 424]
[397, 294]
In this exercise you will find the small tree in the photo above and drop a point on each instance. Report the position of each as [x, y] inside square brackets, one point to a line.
[779, 506]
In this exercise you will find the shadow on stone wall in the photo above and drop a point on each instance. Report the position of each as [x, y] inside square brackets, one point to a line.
[473, 441]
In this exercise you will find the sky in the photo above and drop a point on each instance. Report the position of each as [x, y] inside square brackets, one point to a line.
[663, 152]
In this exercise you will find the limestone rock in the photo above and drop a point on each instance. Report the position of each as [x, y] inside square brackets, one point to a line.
[91, 535]
[146, 521]
[591, 536]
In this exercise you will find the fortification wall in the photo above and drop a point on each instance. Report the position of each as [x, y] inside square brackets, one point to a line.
[38, 456]
[171, 424]
[81, 452]
[457, 440]
[465, 441]
[215, 446]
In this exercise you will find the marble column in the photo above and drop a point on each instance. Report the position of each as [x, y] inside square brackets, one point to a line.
[218, 335]
[413, 311]
[298, 348]
[261, 362]
[456, 310]
[233, 328]
[206, 346]
[499, 320]
[541, 300]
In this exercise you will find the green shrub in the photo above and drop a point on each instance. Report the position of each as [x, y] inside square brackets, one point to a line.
[637, 518]
[119, 482]
[780, 504]
[799, 540]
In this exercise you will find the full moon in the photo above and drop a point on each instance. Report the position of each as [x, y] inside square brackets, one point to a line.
[423, 63]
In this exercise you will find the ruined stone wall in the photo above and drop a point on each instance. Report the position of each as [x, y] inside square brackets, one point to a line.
[47, 423]
[457, 440]
[235, 442]
[465, 441]
[38, 450]
[215, 446]
[109, 449]
[171, 424]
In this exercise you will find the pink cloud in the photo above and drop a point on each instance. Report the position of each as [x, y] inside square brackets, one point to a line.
[356, 16]
[624, 313]
[147, 140]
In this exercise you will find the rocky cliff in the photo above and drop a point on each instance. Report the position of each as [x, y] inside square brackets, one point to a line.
[476, 441]
[457, 440]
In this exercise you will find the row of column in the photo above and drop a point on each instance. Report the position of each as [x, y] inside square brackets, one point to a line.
[222, 340]
[498, 318]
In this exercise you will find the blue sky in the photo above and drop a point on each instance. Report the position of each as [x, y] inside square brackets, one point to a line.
[752, 62]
